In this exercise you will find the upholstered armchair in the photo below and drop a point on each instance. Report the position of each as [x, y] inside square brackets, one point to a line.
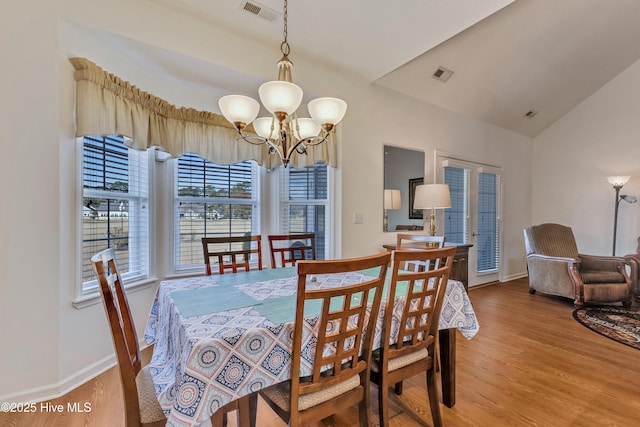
[556, 268]
[634, 259]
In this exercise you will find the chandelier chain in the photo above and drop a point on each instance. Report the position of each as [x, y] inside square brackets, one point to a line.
[284, 47]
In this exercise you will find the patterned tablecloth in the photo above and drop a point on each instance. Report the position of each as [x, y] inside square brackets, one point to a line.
[218, 338]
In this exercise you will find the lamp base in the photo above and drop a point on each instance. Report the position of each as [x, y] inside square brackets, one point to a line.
[432, 222]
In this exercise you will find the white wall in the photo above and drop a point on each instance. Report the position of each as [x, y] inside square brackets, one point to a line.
[572, 159]
[47, 345]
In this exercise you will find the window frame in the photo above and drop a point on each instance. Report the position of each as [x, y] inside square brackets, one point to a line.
[87, 292]
[254, 201]
[281, 205]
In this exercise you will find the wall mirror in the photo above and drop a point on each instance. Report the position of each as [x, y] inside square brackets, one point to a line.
[403, 171]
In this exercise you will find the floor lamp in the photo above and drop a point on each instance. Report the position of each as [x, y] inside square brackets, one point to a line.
[432, 196]
[618, 182]
[391, 201]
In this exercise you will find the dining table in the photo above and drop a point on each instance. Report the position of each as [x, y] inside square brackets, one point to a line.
[221, 337]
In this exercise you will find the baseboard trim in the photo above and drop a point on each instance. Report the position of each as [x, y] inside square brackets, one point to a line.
[514, 276]
[55, 390]
[64, 386]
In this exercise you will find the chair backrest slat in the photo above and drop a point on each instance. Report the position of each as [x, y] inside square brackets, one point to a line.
[418, 242]
[231, 252]
[297, 246]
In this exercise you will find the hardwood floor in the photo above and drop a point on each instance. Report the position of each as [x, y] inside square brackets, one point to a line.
[531, 364]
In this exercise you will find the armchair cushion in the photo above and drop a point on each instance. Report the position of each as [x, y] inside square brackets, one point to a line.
[553, 240]
[601, 277]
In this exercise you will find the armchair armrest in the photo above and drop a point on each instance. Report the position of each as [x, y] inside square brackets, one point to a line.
[551, 275]
[548, 258]
[603, 263]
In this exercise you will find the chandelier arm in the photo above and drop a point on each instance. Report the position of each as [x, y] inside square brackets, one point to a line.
[307, 142]
[313, 140]
[259, 140]
[273, 147]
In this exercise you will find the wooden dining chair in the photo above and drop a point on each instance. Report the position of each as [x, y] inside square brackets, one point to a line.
[417, 327]
[289, 248]
[232, 252]
[141, 406]
[418, 241]
[342, 352]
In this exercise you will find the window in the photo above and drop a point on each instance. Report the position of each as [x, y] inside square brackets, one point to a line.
[488, 221]
[456, 217]
[212, 200]
[304, 204]
[115, 212]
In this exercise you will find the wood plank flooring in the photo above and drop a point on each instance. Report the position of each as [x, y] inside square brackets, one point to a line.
[531, 364]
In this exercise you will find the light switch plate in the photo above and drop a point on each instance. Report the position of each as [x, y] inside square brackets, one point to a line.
[358, 218]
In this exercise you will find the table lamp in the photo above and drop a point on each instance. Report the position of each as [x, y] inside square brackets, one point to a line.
[391, 201]
[432, 196]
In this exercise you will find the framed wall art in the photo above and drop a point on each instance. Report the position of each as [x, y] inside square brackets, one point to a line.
[413, 183]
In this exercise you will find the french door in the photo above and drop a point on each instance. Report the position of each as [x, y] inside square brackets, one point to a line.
[474, 217]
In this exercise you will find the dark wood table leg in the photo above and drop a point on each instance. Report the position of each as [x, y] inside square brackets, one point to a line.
[448, 366]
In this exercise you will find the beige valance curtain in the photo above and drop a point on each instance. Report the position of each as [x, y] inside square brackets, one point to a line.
[108, 105]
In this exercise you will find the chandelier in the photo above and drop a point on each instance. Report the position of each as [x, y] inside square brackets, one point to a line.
[283, 132]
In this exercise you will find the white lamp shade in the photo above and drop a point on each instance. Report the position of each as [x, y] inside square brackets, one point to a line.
[429, 196]
[305, 128]
[262, 126]
[392, 199]
[239, 108]
[279, 96]
[327, 110]
[618, 181]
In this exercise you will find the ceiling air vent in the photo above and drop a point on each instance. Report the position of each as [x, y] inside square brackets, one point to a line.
[260, 10]
[442, 74]
[530, 114]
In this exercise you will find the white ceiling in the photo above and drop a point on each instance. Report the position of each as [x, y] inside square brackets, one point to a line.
[508, 57]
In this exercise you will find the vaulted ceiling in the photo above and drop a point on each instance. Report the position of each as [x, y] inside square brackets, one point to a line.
[517, 64]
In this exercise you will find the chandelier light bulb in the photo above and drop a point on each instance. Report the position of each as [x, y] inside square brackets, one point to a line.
[305, 128]
[262, 126]
[280, 97]
[239, 109]
[327, 110]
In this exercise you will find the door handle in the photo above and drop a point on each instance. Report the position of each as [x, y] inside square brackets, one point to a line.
[474, 234]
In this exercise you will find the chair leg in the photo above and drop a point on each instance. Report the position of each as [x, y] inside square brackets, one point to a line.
[434, 402]
[398, 388]
[383, 403]
[253, 409]
[219, 418]
[627, 304]
[244, 411]
[363, 414]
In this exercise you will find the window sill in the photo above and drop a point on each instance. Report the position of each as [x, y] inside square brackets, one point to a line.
[94, 298]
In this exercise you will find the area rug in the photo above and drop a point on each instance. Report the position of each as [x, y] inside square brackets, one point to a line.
[613, 322]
